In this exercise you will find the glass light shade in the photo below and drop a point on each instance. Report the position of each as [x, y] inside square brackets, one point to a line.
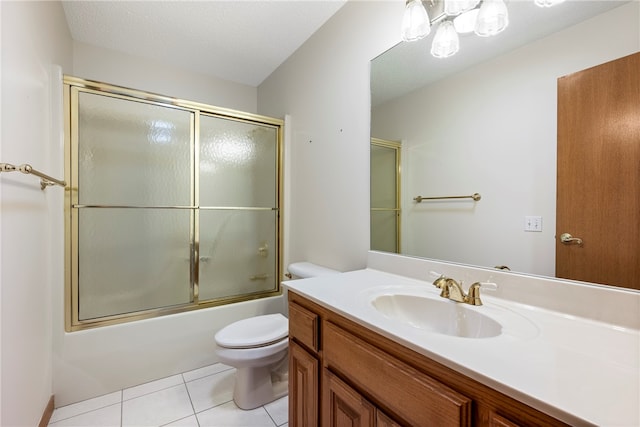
[547, 3]
[466, 22]
[493, 18]
[415, 21]
[456, 7]
[446, 42]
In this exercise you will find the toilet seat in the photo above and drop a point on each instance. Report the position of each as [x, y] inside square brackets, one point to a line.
[258, 331]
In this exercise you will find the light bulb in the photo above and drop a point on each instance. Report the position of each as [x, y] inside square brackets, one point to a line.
[547, 3]
[456, 7]
[493, 18]
[415, 21]
[446, 42]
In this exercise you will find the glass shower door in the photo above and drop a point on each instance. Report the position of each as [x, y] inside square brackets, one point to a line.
[238, 215]
[133, 177]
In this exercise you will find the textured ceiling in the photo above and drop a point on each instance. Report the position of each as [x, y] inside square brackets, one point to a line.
[240, 41]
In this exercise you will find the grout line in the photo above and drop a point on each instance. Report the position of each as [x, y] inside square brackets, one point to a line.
[87, 412]
[180, 419]
[269, 415]
[151, 392]
[193, 408]
[205, 376]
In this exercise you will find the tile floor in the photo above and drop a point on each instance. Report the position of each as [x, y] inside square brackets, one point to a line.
[199, 398]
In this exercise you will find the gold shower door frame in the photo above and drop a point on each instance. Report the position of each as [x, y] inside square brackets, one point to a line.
[396, 209]
[73, 86]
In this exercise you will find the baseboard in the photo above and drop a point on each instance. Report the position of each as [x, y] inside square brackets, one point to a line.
[46, 415]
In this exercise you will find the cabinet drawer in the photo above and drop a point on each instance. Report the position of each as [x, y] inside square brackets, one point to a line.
[404, 391]
[304, 326]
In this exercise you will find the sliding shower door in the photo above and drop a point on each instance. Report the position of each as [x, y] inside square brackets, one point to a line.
[238, 207]
[173, 205]
[134, 162]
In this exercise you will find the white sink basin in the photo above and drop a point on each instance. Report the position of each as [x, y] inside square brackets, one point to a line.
[437, 315]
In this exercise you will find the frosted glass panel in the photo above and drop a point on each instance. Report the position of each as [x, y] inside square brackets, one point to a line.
[237, 252]
[383, 231]
[237, 163]
[383, 177]
[132, 153]
[132, 259]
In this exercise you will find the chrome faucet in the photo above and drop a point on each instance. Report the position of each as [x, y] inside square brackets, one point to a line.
[452, 290]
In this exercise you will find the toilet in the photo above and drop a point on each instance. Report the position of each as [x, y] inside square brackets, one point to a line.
[258, 348]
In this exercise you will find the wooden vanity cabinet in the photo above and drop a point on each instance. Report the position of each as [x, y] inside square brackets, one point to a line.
[343, 374]
[304, 367]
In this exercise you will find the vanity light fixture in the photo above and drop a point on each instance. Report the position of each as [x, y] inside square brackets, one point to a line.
[415, 21]
[485, 18]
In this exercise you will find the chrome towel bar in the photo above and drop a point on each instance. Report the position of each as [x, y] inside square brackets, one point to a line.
[45, 180]
[474, 196]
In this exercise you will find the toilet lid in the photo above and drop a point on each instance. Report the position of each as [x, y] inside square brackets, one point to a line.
[254, 332]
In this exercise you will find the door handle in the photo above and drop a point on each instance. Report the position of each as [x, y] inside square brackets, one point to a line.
[568, 239]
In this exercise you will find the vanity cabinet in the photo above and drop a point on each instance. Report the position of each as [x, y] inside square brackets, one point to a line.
[304, 367]
[344, 374]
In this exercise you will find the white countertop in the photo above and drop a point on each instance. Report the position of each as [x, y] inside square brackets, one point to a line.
[578, 370]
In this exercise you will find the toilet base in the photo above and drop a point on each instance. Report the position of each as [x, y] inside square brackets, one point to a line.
[255, 387]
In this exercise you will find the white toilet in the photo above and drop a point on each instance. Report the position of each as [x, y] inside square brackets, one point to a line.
[258, 348]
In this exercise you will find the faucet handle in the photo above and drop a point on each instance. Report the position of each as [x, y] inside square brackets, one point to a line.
[473, 296]
[441, 283]
[488, 286]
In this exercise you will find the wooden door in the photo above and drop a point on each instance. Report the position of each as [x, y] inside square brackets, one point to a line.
[598, 188]
[303, 387]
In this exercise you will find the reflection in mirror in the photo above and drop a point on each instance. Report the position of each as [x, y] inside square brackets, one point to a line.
[385, 195]
[485, 121]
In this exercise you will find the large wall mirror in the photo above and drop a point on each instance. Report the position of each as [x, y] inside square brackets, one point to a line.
[485, 121]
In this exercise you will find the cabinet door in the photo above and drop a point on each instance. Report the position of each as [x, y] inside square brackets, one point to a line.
[383, 420]
[344, 407]
[498, 421]
[303, 387]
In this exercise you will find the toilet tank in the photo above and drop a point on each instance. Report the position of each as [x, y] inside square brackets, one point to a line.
[304, 270]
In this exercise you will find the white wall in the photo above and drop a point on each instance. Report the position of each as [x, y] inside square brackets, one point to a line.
[501, 143]
[109, 66]
[324, 86]
[34, 36]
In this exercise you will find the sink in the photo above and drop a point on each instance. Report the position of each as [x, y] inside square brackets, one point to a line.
[434, 314]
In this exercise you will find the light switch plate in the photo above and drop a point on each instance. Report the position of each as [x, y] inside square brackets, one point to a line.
[532, 223]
